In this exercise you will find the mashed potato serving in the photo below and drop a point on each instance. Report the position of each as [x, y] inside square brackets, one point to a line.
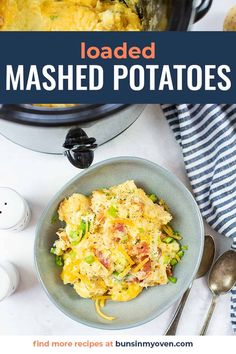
[68, 15]
[115, 243]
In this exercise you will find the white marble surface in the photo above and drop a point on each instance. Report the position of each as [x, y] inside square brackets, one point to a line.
[37, 177]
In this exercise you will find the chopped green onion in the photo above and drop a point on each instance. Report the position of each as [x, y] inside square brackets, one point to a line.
[153, 198]
[75, 243]
[128, 276]
[173, 262]
[54, 17]
[116, 275]
[178, 238]
[180, 254]
[59, 261]
[166, 260]
[168, 239]
[74, 235]
[90, 259]
[172, 279]
[54, 219]
[72, 253]
[141, 229]
[185, 248]
[124, 239]
[82, 227]
[53, 250]
[164, 205]
[176, 235]
[112, 211]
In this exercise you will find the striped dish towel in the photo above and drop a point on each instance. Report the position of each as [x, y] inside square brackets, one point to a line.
[207, 136]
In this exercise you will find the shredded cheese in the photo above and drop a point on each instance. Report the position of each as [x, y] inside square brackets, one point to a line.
[97, 305]
[102, 303]
[140, 265]
[129, 259]
[85, 279]
[97, 260]
[102, 297]
[123, 221]
[145, 238]
[86, 231]
[125, 272]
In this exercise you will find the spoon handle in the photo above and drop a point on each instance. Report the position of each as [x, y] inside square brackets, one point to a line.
[171, 331]
[209, 315]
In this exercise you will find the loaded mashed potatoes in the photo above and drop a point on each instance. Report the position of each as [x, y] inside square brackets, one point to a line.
[115, 243]
[68, 15]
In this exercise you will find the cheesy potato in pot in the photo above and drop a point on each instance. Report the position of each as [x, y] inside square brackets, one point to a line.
[115, 243]
[67, 15]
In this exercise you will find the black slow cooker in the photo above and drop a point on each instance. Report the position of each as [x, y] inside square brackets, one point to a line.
[77, 131]
[172, 15]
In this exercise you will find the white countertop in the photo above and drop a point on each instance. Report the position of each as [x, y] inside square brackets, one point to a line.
[38, 177]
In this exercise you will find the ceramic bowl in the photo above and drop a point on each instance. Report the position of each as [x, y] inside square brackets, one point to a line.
[152, 301]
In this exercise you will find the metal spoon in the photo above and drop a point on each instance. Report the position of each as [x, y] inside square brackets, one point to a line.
[205, 265]
[221, 280]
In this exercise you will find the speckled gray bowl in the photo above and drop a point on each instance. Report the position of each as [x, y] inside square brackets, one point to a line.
[153, 301]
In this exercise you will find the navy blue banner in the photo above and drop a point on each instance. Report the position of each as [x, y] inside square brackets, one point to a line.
[124, 67]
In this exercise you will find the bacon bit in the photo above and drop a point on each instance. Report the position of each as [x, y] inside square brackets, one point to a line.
[100, 218]
[159, 252]
[147, 267]
[119, 227]
[162, 236]
[169, 271]
[132, 280]
[101, 258]
[142, 248]
[140, 204]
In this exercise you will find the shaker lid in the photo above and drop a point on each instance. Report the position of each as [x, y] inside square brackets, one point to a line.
[12, 208]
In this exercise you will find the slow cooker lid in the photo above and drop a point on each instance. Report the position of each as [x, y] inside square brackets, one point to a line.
[48, 116]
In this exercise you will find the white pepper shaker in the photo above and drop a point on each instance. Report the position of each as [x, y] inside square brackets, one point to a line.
[9, 279]
[14, 210]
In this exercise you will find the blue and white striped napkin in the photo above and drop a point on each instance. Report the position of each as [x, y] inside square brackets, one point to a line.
[207, 136]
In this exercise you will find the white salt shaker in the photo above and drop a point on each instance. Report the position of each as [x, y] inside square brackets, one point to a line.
[14, 210]
[9, 279]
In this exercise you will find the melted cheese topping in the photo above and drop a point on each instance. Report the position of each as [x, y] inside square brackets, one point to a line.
[113, 244]
[67, 15]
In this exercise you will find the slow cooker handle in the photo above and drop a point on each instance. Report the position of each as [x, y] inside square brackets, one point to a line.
[80, 159]
[202, 9]
[79, 148]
